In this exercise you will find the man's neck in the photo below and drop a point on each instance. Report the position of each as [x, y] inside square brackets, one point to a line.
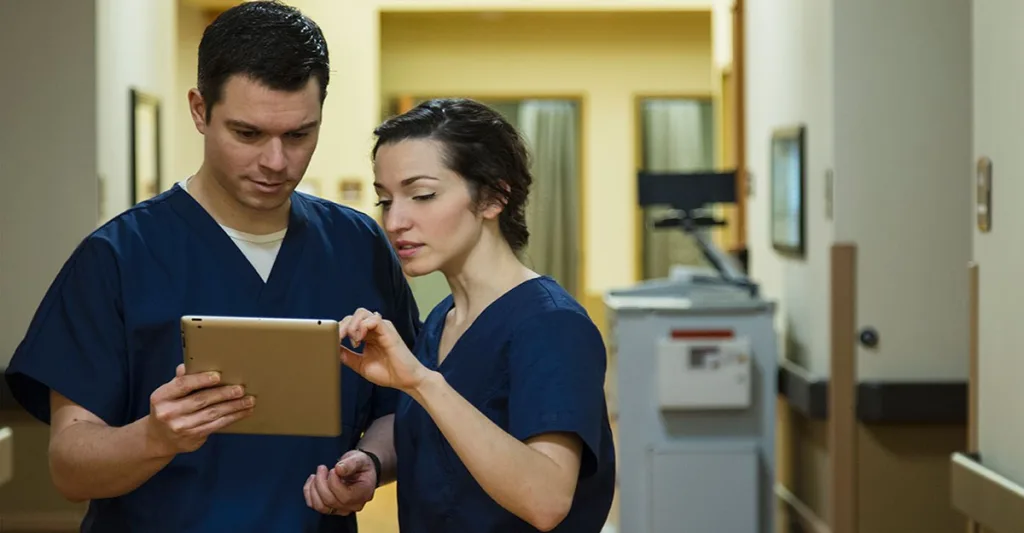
[230, 213]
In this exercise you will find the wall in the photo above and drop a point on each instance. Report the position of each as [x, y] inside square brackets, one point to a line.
[607, 58]
[998, 135]
[188, 143]
[48, 151]
[789, 81]
[135, 48]
[902, 190]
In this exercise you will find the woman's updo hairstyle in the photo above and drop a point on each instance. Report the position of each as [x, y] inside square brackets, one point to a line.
[481, 146]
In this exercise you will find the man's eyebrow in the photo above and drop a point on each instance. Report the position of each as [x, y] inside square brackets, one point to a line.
[245, 125]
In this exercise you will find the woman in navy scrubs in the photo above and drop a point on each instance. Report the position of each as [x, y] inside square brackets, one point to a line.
[502, 423]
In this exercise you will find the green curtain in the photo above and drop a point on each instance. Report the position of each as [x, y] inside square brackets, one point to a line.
[550, 128]
[677, 137]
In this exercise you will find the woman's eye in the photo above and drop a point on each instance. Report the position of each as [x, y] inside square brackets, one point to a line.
[424, 197]
[383, 203]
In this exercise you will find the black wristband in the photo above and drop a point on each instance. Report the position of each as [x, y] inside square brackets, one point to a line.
[376, 463]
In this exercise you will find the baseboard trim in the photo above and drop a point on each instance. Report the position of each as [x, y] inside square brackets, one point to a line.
[985, 497]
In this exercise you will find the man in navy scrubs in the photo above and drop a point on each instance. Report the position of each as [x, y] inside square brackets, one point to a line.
[100, 361]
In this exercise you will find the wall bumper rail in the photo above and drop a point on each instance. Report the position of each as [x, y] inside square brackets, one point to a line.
[984, 496]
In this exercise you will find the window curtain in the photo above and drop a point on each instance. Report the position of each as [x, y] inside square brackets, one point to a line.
[677, 137]
[550, 128]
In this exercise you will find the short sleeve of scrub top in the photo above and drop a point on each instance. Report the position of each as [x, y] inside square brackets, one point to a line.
[76, 339]
[556, 363]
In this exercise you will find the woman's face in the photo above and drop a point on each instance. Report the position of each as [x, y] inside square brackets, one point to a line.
[429, 214]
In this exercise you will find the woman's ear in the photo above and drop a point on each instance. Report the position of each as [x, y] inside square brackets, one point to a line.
[496, 203]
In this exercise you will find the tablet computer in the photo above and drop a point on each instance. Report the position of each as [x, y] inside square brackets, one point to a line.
[291, 366]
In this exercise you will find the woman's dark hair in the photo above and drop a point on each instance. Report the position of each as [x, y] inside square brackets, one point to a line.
[479, 145]
[266, 41]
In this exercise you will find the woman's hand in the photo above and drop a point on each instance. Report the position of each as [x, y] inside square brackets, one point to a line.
[385, 361]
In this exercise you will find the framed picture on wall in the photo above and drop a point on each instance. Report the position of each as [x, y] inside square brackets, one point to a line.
[788, 182]
[144, 148]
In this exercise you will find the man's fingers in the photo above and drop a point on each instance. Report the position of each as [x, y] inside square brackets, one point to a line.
[217, 417]
[305, 491]
[342, 492]
[322, 492]
[185, 384]
[352, 465]
[179, 371]
[199, 400]
[314, 496]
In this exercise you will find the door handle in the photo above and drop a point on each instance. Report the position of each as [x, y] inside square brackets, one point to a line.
[869, 337]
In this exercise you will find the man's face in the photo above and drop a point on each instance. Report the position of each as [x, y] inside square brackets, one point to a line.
[258, 141]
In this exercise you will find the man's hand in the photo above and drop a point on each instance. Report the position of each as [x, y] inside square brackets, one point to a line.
[344, 489]
[187, 409]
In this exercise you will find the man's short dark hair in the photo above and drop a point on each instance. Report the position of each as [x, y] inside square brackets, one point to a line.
[268, 42]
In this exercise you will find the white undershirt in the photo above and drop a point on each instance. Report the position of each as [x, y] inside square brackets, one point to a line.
[260, 250]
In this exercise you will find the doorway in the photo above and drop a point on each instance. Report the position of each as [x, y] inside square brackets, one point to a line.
[676, 134]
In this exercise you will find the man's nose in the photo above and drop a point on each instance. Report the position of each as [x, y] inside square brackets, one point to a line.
[273, 155]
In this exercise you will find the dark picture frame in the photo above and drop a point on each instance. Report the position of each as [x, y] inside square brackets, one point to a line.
[788, 176]
[144, 155]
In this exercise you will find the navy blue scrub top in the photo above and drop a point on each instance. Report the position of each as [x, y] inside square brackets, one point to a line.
[533, 362]
[106, 335]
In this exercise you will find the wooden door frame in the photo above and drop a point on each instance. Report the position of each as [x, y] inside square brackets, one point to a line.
[738, 77]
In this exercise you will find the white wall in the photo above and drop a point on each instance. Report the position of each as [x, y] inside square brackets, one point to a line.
[884, 93]
[999, 135]
[135, 48]
[789, 81]
[47, 150]
[903, 163]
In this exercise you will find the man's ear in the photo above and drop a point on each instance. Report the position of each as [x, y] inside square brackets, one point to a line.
[197, 107]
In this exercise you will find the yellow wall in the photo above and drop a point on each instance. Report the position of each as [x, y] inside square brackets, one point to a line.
[605, 58]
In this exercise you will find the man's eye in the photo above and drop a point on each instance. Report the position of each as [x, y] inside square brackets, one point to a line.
[248, 134]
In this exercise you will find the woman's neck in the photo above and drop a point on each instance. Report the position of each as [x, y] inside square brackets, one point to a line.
[488, 272]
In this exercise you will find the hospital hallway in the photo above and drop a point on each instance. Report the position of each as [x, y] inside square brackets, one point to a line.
[795, 225]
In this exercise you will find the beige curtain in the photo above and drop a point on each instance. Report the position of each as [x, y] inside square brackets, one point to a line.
[677, 137]
[550, 128]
